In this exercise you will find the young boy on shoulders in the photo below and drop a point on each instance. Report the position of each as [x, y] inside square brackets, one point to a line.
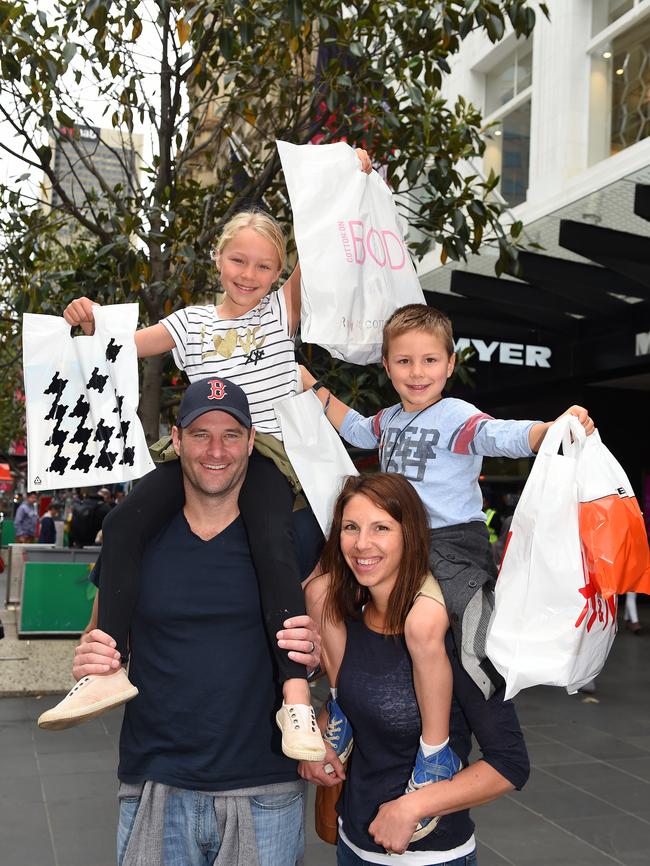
[437, 443]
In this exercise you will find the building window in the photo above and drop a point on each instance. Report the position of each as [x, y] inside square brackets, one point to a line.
[508, 88]
[620, 92]
[605, 12]
[509, 78]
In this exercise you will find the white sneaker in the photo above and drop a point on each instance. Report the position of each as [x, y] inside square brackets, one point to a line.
[301, 738]
[90, 697]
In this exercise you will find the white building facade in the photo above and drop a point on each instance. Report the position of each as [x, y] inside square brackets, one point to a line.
[567, 125]
[567, 111]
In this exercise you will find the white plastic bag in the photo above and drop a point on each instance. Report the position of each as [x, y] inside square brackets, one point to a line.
[550, 625]
[81, 399]
[356, 270]
[315, 451]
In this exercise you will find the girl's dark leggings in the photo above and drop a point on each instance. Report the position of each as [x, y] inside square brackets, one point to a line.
[284, 547]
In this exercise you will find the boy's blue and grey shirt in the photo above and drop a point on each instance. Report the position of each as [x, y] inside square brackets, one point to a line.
[440, 450]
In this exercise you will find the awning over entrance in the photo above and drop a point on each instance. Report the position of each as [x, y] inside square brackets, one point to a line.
[578, 309]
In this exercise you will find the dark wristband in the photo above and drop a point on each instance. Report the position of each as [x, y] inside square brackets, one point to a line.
[317, 386]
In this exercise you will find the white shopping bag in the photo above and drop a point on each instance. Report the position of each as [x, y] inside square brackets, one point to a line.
[550, 625]
[315, 451]
[356, 270]
[81, 399]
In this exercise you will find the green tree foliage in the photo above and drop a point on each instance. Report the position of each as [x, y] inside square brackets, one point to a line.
[213, 85]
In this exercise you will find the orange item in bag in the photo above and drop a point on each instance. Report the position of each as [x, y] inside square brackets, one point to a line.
[615, 544]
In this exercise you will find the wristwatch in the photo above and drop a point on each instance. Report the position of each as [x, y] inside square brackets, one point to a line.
[317, 385]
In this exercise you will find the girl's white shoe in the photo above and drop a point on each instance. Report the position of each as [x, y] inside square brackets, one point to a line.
[90, 697]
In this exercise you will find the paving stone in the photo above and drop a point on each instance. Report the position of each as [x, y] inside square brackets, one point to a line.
[586, 804]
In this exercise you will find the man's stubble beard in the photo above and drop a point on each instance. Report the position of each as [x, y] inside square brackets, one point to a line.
[190, 480]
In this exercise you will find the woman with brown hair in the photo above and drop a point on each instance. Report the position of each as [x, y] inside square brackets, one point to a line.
[377, 559]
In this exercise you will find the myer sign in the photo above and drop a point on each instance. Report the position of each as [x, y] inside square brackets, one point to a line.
[507, 353]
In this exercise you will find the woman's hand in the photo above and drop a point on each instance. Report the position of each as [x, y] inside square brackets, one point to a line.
[366, 164]
[315, 772]
[80, 312]
[394, 824]
[583, 417]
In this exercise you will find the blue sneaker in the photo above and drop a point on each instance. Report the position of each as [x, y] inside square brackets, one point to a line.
[338, 732]
[436, 768]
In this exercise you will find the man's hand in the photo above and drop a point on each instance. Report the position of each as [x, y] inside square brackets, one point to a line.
[301, 636]
[394, 824]
[96, 654]
[80, 312]
[315, 772]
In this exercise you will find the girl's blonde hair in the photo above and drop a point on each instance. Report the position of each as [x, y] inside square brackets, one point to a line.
[261, 223]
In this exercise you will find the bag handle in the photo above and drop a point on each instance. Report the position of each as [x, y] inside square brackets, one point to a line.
[568, 432]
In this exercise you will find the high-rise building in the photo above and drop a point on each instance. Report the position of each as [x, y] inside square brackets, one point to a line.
[88, 161]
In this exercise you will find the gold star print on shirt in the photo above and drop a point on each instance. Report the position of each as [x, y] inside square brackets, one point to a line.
[250, 343]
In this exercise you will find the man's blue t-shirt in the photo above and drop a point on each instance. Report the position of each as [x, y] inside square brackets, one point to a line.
[205, 715]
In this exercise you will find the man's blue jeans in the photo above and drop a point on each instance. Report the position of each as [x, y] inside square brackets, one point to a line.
[192, 836]
[346, 857]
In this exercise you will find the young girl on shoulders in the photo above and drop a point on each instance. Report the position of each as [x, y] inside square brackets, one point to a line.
[249, 339]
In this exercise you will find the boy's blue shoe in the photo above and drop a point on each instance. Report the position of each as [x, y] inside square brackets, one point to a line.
[338, 732]
[436, 768]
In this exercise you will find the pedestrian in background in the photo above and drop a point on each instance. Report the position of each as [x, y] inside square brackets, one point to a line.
[47, 534]
[26, 519]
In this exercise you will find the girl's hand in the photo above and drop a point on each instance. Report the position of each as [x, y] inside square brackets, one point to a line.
[394, 825]
[315, 772]
[583, 417]
[366, 165]
[80, 312]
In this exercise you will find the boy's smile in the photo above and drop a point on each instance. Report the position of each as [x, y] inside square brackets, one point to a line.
[418, 365]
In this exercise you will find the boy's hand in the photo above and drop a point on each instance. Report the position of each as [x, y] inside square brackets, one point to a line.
[307, 378]
[583, 417]
[538, 431]
[366, 164]
[80, 312]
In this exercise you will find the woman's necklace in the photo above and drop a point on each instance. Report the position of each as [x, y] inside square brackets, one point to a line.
[369, 614]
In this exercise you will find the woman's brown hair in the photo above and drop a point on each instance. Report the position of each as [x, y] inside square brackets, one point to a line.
[345, 597]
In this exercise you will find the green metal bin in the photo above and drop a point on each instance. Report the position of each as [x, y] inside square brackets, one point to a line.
[56, 598]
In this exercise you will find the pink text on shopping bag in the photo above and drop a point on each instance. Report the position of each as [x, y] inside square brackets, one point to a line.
[382, 245]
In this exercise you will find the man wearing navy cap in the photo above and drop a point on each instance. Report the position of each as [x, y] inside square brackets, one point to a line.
[203, 778]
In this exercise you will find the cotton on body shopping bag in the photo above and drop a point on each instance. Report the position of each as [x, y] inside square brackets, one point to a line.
[81, 397]
[315, 451]
[612, 529]
[356, 270]
[550, 625]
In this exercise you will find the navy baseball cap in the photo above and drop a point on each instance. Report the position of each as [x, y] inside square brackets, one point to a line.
[210, 395]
